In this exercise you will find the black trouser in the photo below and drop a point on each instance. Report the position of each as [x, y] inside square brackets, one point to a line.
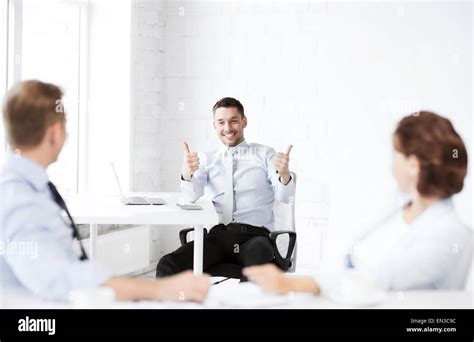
[235, 243]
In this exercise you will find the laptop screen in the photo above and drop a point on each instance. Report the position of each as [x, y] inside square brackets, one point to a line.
[117, 179]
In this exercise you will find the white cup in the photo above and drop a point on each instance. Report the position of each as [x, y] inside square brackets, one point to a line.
[93, 298]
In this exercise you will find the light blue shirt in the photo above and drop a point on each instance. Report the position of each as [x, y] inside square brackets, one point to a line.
[36, 251]
[432, 252]
[256, 183]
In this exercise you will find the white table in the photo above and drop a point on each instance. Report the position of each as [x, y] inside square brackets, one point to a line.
[231, 294]
[94, 210]
[10, 299]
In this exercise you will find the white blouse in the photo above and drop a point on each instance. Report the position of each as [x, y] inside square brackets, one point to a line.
[433, 252]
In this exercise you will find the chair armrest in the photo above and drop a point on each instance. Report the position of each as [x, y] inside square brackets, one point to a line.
[183, 235]
[283, 262]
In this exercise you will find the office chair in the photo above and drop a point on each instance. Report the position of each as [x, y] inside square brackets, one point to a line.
[283, 242]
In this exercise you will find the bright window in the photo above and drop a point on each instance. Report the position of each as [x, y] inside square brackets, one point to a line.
[52, 32]
[3, 65]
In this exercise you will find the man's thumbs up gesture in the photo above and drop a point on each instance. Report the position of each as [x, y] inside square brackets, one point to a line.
[190, 164]
[282, 163]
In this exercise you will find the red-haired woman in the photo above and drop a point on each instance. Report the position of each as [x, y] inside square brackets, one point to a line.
[422, 245]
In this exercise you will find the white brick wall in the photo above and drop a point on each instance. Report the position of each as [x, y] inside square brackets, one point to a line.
[318, 75]
[147, 92]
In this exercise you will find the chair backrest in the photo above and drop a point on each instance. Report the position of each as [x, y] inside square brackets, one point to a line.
[284, 214]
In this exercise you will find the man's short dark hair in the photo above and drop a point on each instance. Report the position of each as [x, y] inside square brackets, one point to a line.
[30, 108]
[228, 102]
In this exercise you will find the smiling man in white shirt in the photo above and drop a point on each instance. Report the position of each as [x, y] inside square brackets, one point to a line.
[243, 180]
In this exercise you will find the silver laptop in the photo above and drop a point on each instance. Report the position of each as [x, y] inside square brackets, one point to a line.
[136, 200]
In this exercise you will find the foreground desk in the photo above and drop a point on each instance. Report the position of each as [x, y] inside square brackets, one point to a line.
[95, 210]
[442, 300]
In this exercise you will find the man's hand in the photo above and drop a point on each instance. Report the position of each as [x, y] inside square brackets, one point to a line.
[183, 287]
[282, 164]
[268, 277]
[271, 279]
[190, 164]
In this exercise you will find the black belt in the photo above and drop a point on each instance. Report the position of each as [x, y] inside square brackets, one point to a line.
[243, 228]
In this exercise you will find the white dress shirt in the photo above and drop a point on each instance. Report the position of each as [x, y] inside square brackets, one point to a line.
[256, 183]
[433, 252]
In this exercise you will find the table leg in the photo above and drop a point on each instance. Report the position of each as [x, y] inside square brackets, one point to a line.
[198, 247]
[92, 241]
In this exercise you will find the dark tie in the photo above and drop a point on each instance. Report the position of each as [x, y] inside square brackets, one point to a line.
[60, 201]
[349, 263]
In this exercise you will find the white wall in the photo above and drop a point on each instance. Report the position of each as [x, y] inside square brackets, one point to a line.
[147, 93]
[109, 94]
[332, 79]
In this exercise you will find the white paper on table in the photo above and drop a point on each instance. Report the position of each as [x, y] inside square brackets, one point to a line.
[243, 295]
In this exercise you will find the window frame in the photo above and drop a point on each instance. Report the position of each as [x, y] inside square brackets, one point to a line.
[14, 75]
